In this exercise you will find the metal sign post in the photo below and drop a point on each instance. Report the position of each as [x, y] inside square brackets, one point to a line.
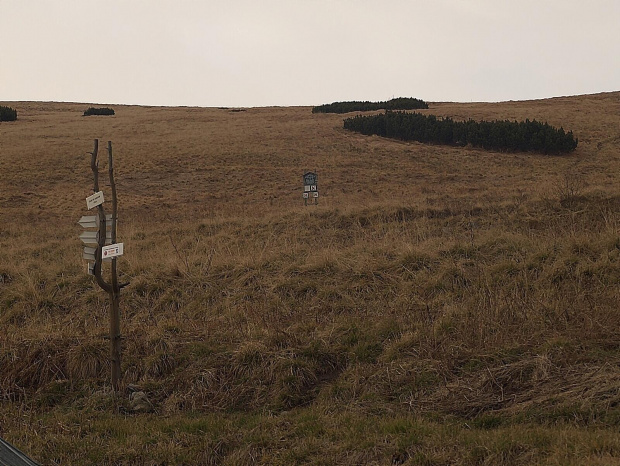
[311, 188]
[100, 245]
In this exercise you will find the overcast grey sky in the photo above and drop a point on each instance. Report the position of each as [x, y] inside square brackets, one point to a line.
[305, 52]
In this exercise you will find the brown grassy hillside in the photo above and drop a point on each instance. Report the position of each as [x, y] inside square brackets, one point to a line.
[439, 306]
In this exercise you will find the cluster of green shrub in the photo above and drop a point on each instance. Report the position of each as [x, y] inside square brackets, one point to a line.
[524, 136]
[7, 113]
[98, 111]
[400, 103]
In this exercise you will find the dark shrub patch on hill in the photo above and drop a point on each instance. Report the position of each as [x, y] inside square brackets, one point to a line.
[524, 136]
[98, 111]
[7, 113]
[400, 103]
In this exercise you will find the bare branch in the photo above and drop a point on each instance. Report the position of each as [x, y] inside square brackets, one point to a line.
[94, 165]
[115, 320]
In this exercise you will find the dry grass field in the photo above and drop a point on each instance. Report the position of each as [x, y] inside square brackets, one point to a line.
[439, 306]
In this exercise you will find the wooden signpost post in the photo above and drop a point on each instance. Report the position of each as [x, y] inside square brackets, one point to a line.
[101, 245]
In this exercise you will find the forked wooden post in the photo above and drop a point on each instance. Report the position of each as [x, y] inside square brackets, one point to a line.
[113, 288]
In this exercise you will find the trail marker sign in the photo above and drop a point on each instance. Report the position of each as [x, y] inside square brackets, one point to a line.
[311, 186]
[113, 250]
[310, 178]
[94, 200]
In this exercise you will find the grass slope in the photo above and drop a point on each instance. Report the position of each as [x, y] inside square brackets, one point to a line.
[439, 306]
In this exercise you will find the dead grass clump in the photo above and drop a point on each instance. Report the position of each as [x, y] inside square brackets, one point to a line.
[160, 364]
[250, 354]
[149, 356]
[281, 376]
[87, 360]
[5, 278]
[415, 261]
[533, 386]
[32, 365]
[489, 388]
[569, 188]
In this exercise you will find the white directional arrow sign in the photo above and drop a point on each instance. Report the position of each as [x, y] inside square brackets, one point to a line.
[89, 254]
[92, 221]
[90, 237]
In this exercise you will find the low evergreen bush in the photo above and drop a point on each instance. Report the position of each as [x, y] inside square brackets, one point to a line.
[524, 136]
[7, 113]
[98, 111]
[400, 103]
